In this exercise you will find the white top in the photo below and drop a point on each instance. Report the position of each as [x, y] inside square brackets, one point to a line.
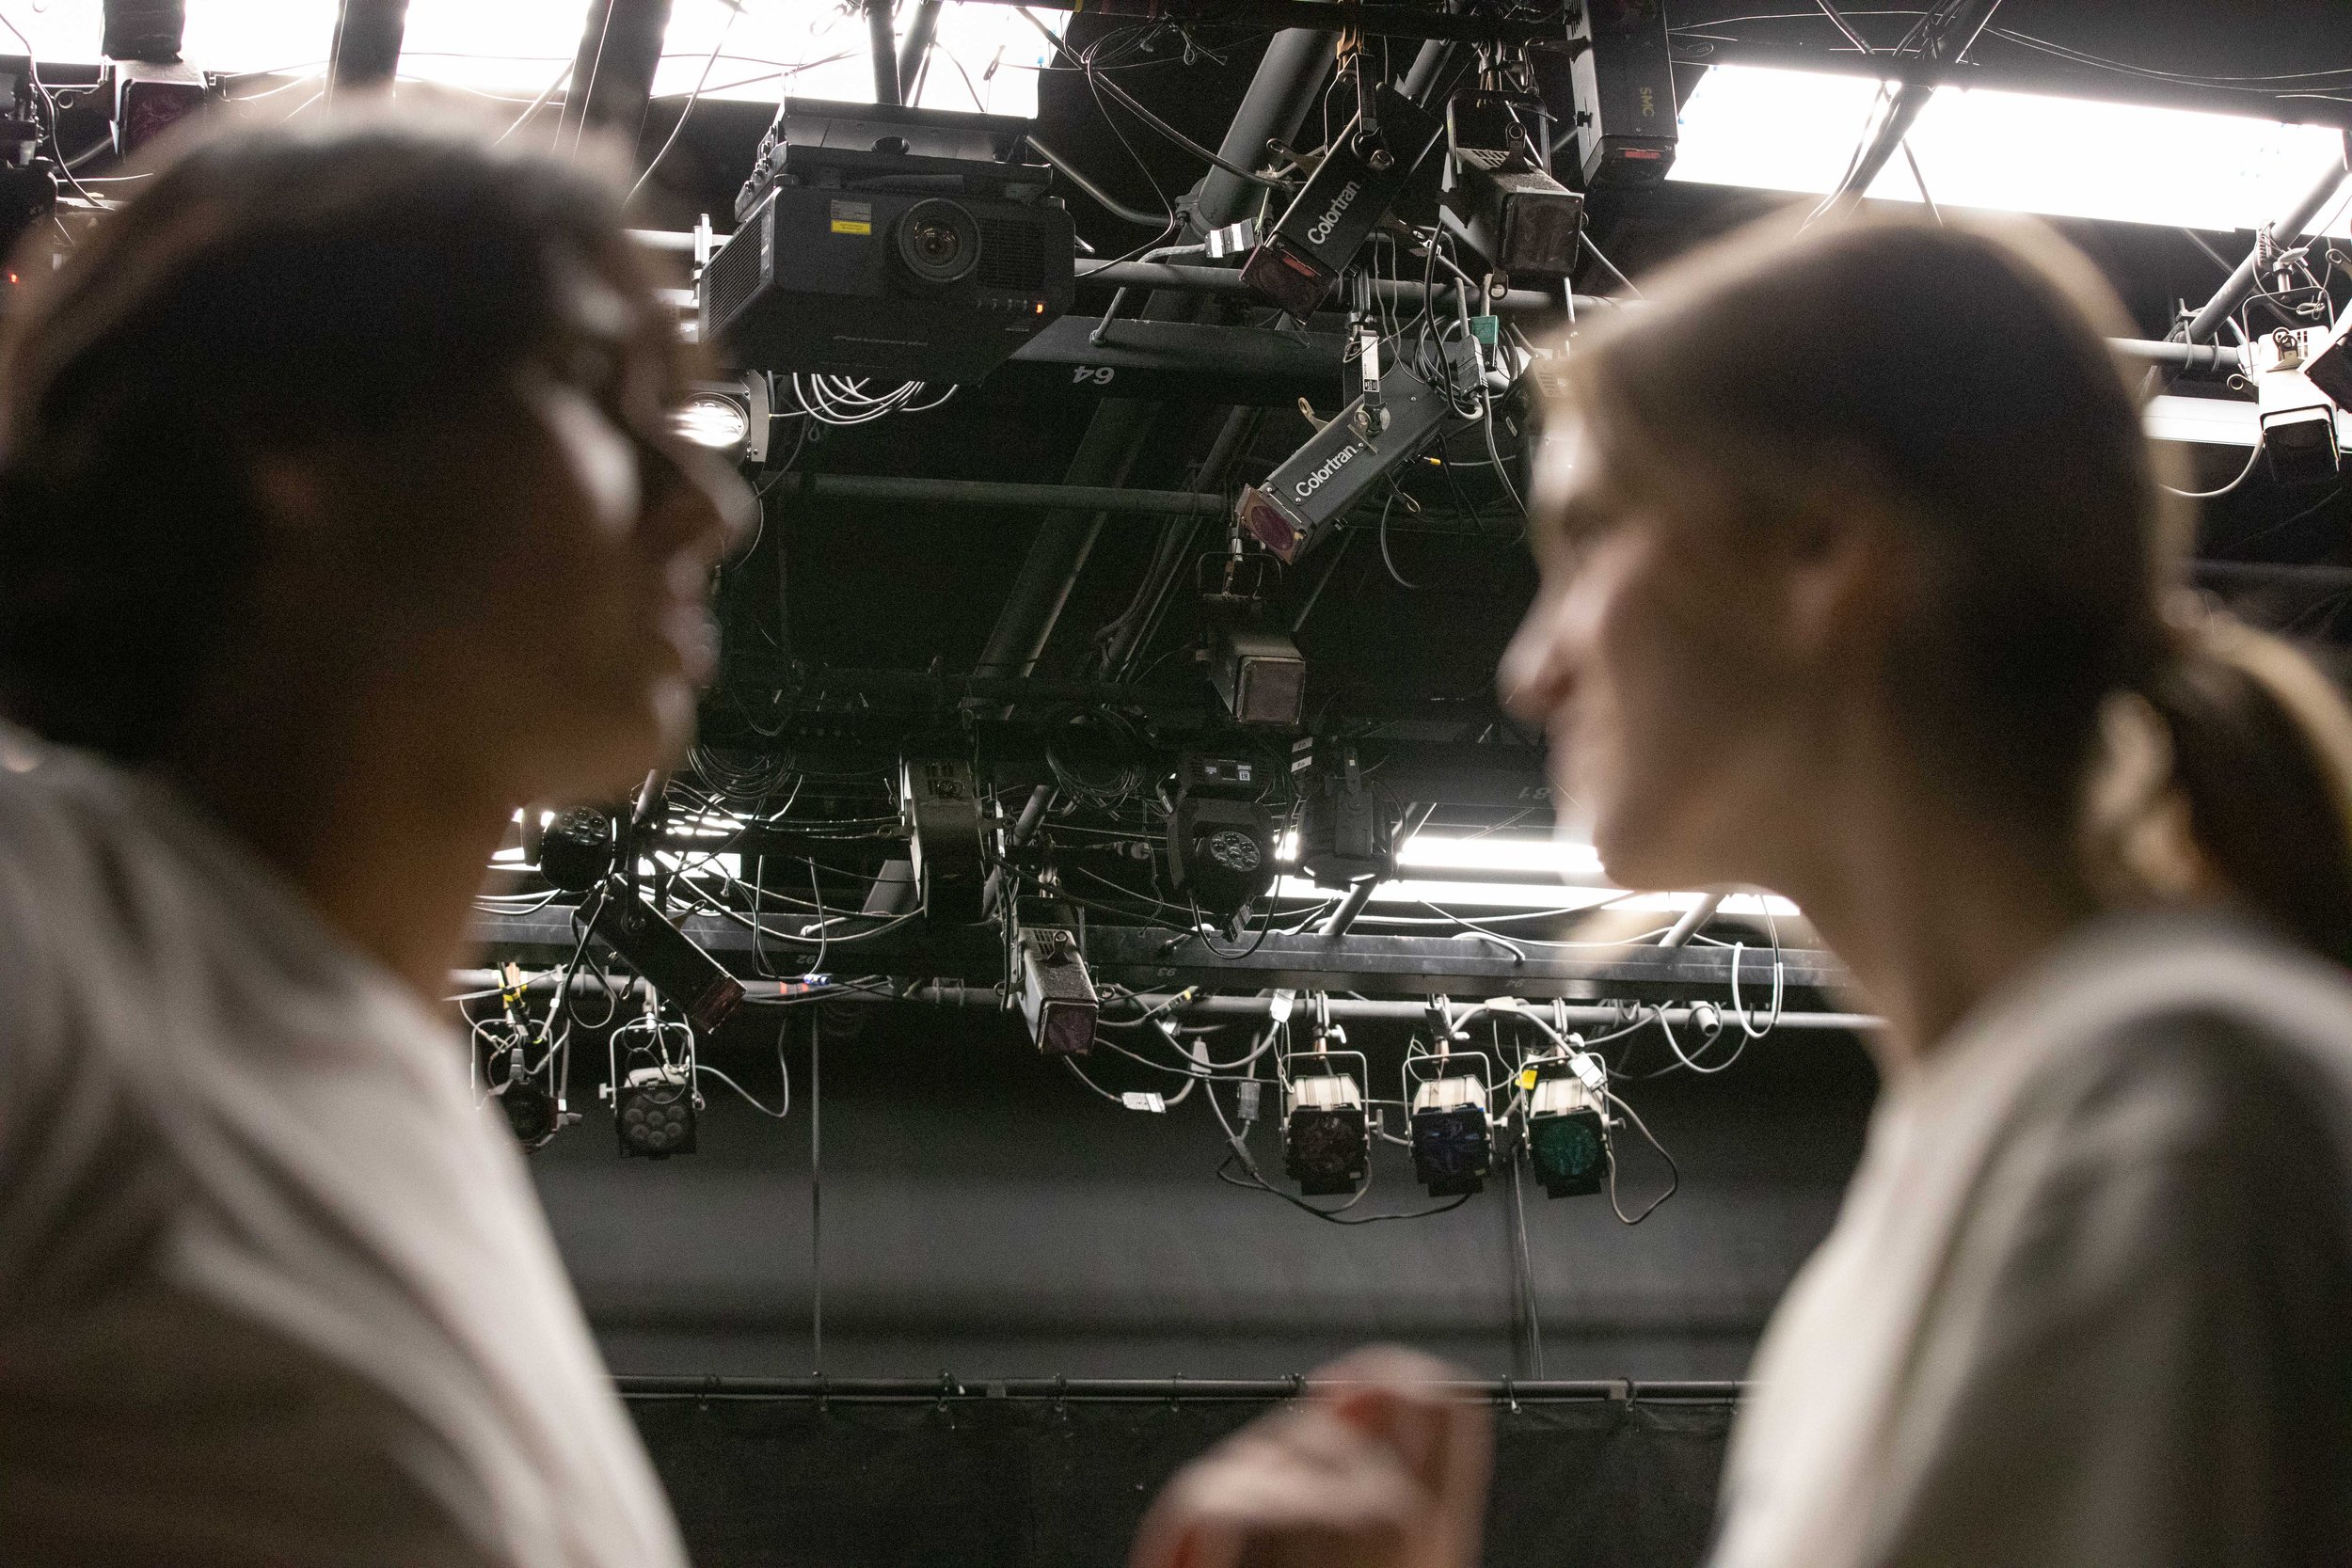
[2086, 1300]
[272, 1290]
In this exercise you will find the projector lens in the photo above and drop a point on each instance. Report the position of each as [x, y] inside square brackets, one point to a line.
[938, 241]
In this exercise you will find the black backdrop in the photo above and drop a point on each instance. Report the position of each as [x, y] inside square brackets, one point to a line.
[1039, 1482]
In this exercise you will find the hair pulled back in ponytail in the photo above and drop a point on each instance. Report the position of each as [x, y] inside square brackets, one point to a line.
[1960, 372]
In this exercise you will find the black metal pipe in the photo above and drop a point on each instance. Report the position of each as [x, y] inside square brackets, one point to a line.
[976, 492]
[884, 48]
[1227, 280]
[612, 73]
[1158, 1390]
[2288, 229]
[1350, 907]
[1290, 76]
[916, 53]
[1095, 193]
[366, 51]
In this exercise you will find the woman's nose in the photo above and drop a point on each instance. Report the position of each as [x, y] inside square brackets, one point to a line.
[1534, 675]
[698, 505]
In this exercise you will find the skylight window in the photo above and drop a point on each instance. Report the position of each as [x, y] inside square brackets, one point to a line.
[2012, 152]
[985, 56]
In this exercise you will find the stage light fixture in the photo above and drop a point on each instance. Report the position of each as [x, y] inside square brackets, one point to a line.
[576, 851]
[1452, 1137]
[1309, 490]
[653, 1112]
[530, 1110]
[1220, 845]
[2298, 418]
[730, 418]
[1623, 90]
[1057, 995]
[1317, 237]
[1327, 1137]
[1259, 675]
[2327, 359]
[1514, 212]
[667, 958]
[1346, 827]
[1568, 1128]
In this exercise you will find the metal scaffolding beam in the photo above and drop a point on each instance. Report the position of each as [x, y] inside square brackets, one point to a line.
[366, 51]
[612, 73]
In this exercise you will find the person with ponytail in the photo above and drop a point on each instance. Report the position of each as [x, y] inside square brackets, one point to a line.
[1860, 583]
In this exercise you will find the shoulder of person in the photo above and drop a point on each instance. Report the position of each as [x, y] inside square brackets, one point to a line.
[2214, 1077]
[2189, 1026]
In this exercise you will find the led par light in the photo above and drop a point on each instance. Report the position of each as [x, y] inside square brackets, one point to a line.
[1326, 1139]
[653, 1111]
[1057, 996]
[1220, 846]
[576, 851]
[1568, 1136]
[530, 1110]
[1453, 1142]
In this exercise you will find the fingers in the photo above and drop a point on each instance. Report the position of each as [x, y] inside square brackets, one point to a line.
[1378, 1464]
[1301, 1487]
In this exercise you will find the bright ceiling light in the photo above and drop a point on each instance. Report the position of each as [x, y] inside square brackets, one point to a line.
[1443, 852]
[1467, 894]
[983, 58]
[2011, 151]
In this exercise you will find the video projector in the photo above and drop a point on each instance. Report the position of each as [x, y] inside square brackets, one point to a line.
[909, 244]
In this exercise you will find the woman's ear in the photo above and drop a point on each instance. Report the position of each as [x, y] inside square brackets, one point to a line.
[1849, 570]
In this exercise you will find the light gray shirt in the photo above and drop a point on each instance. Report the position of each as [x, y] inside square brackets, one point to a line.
[272, 1290]
[2089, 1301]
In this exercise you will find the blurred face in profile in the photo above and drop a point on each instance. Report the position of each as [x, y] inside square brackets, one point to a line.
[1659, 659]
[539, 557]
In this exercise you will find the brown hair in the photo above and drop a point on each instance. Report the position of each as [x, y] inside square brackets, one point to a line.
[269, 289]
[1960, 375]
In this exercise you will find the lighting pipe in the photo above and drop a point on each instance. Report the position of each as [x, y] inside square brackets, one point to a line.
[1692, 918]
[951, 993]
[2288, 229]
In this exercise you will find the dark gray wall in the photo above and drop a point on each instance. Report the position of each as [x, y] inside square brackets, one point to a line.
[985, 1214]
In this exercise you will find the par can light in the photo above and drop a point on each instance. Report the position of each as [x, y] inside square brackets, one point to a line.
[1453, 1143]
[654, 1111]
[1567, 1138]
[1326, 1140]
